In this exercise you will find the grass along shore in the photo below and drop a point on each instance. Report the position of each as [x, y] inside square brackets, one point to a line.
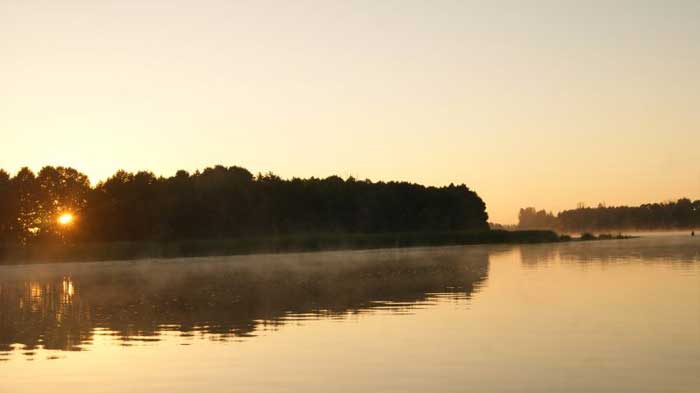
[13, 254]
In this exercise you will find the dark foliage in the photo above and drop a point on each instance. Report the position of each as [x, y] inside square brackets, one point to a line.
[531, 218]
[222, 203]
[682, 214]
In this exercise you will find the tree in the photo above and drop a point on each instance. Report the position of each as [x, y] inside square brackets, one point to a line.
[7, 207]
[25, 205]
[226, 202]
[530, 218]
[59, 190]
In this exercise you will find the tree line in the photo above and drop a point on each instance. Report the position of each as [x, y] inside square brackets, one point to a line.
[221, 202]
[681, 214]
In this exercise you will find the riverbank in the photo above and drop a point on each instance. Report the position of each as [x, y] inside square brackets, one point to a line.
[253, 245]
[83, 252]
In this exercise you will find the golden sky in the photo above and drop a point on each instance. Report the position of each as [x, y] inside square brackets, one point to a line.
[542, 103]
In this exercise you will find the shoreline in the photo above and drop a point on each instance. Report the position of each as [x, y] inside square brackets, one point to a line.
[130, 251]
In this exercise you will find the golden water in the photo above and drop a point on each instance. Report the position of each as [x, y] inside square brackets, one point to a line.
[610, 316]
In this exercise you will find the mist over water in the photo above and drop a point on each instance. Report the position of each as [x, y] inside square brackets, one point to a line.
[60, 306]
[619, 316]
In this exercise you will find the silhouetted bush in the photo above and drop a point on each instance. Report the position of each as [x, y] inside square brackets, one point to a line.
[587, 236]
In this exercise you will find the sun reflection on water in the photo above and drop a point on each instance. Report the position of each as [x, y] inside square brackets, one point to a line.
[130, 307]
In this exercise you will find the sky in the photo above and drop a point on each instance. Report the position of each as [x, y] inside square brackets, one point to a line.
[530, 103]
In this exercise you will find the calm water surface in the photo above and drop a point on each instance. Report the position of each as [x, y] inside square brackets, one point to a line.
[612, 316]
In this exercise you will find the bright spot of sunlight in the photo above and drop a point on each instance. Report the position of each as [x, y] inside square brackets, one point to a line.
[65, 219]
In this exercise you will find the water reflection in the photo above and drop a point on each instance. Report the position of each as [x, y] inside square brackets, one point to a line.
[63, 307]
[675, 250]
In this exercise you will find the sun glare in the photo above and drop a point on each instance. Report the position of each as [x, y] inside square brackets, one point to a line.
[65, 219]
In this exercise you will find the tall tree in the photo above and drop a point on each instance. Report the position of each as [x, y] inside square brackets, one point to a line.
[60, 190]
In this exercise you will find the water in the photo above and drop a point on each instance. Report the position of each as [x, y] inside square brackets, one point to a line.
[611, 316]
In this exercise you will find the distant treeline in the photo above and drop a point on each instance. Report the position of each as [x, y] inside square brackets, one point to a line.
[221, 202]
[682, 214]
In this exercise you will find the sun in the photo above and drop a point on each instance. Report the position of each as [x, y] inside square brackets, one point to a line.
[65, 219]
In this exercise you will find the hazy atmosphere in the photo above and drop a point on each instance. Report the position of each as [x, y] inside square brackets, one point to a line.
[349, 196]
[547, 104]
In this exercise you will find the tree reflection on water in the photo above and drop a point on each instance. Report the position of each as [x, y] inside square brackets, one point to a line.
[61, 307]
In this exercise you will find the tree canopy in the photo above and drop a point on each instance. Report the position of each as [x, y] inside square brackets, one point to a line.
[221, 202]
[682, 214]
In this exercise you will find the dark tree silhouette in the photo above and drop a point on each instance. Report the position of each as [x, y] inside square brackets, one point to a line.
[59, 190]
[223, 202]
[24, 206]
[682, 214]
[7, 207]
[530, 218]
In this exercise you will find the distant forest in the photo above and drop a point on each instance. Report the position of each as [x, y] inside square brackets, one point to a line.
[221, 202]
[682, 214]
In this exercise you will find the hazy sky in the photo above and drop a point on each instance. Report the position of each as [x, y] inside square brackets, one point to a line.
[543, 103]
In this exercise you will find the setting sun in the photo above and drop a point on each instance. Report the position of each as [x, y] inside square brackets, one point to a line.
[65, 219]
[366, 196]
